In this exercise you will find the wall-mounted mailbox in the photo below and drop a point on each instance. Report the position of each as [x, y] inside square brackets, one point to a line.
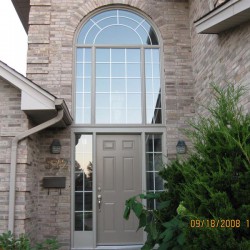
[54, 182]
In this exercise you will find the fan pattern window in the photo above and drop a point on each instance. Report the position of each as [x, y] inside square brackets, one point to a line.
[117, 71]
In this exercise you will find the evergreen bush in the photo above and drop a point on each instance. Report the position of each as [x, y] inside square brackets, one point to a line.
[207, 195]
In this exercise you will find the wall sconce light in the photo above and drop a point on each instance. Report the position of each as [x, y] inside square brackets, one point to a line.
[55, 147]
[181, 147]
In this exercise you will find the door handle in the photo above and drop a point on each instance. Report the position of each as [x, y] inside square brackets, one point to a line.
[99, 200]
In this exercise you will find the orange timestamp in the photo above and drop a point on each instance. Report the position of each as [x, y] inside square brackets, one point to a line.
[218, 223]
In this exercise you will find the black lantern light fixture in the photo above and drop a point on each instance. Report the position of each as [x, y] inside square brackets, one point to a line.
[181, 147]
[55, 147]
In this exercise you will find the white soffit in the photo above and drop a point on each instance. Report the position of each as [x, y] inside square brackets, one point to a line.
[33, 97]
[224, 17]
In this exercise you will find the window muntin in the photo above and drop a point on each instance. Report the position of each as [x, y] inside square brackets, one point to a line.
[118, 86]
[154, 163]
[122, 82]
[83, 183]
[128, 27]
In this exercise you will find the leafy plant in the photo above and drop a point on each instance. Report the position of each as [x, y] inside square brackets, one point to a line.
[212, 184]
[9, 242]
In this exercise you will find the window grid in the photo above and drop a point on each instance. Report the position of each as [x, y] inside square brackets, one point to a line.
[122, 19]
[154, 183]
[83, 183]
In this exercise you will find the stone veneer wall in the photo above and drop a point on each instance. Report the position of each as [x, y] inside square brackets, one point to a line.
[219, 58]
[50, 63]
[12, 122]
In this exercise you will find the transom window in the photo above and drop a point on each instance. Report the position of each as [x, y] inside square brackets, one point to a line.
[117, 70]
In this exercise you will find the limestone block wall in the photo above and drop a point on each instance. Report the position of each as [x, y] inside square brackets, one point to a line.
[219, 58]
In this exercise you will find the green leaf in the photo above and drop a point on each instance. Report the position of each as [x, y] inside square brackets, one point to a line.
[126, 213]
[163, 205]
[142, 220]
[137, 208]
[181, 239]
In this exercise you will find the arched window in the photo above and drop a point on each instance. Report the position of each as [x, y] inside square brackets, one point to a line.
[117, 70]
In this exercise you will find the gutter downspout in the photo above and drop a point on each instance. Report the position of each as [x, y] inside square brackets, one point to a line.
[13, 163]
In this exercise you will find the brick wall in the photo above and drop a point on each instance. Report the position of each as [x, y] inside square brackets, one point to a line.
[219, 58]
[12, 122]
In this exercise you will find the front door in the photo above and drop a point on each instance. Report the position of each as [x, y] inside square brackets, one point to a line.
[118, 178]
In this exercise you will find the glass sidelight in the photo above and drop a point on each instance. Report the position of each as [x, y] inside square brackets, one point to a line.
[153, 165]
[83, 183]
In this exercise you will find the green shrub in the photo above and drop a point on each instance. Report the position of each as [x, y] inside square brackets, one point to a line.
[210, 186]
[9, 242]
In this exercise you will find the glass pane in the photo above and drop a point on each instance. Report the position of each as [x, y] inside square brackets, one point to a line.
[148, 70]
[118, 55]
[133, 55]
[102, 55]
[153, 85]
[88, 182]
[79, 201]
[150, 116]
[88, 201]
[88, 221]
[133, 70]
[157, 143]
[134, 85]
[79, 85]
[102, 85]
[83, 100]
[118, 85]
[78, 221]
[134, 116]
[91, 34]
[79, 182]
[149, 162]
[82, 115]
[152, 55]
[144, 35]
[83, 32]
[102, 116]
[158, 116]
[158, 164]
[102, 100]
[102, 70]
[123, 35]
[118, 101]
[150, 181]
[87, 70]
[149, 143]
[131, 23]
[79, 69]
[83, 55]
[118, 70]
[118, 116]
[134, 100]
[156, 70]
[158, 182]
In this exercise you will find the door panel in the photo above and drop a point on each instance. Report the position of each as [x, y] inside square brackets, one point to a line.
[118, 178]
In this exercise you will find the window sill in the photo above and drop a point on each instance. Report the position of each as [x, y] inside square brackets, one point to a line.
[224, 17]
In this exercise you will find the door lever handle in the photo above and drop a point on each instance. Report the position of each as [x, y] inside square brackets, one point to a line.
[99, 200]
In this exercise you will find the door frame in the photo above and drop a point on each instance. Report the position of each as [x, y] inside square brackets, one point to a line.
[90, 237]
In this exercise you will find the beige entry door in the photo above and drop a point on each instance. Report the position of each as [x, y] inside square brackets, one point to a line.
[118, 178]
